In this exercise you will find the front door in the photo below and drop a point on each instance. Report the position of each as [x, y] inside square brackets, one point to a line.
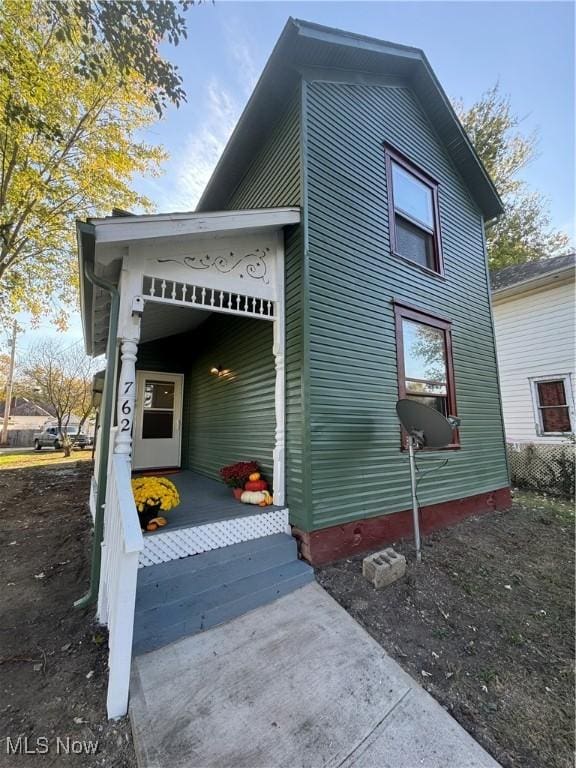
[158, 422]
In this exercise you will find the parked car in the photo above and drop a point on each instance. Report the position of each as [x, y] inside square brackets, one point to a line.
[49, 437]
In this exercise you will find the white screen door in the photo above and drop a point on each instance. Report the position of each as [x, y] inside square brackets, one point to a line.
[158, 423]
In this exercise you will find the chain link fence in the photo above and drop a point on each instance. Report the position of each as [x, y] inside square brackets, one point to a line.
[545, 468]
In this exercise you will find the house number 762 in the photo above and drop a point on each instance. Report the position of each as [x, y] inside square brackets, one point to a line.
[127, 408]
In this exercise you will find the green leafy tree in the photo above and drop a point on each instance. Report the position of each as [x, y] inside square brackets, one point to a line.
[524, 232]
[69, 145]
[130, 31]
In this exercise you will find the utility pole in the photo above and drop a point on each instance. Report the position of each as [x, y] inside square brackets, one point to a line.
[9, 383]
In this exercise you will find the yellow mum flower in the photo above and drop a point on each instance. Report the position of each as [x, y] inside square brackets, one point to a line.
[152, 491]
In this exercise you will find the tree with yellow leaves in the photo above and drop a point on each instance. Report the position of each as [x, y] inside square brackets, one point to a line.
[70, 145]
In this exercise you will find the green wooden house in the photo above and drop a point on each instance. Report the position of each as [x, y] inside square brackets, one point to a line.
[335, 263]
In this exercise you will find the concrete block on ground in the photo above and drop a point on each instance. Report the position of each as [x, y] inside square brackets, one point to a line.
[384, 567]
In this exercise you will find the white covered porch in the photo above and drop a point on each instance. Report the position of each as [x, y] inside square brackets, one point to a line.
[175, 269]
[170, 271]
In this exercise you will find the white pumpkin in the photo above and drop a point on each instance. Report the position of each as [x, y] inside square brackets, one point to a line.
[253, 497]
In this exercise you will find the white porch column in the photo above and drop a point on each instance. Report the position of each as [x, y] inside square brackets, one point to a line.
[128, 336]
[279, 447]
[126, 404]
[279, 455]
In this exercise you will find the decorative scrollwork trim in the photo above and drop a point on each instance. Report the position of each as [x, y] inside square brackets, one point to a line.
[252, 265]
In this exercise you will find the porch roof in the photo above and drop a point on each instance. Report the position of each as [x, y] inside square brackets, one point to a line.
[102, 243]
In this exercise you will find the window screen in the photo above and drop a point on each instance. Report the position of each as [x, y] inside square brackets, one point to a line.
[414, 243]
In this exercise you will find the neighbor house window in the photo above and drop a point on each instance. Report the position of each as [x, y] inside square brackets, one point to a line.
[413, 212]
[553, 405]
[425, 369]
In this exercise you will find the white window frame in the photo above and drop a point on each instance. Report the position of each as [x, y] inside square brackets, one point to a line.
[567, 381]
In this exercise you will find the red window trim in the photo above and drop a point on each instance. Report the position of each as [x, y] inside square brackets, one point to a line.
[404, 311]
[541, 408]
[390, 155]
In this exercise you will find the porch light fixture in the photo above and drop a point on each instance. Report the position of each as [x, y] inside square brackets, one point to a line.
[217, 370]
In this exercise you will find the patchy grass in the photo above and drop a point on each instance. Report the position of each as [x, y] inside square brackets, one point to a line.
[45, 458]
[486, 624]
[560, 509]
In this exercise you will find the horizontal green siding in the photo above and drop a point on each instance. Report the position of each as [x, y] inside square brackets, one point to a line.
[162, 355]
[274, 179]
[357, 469]
[295, 423]
[224, 419]
[230, 418]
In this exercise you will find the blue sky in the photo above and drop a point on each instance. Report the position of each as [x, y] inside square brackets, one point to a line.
[527, 46]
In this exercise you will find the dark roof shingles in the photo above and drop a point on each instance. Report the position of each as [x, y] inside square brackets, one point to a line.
[520, 273]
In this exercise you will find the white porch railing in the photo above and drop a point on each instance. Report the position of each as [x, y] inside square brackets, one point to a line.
[97, 447]
[121, 548]
[92, 498]
[213, 299]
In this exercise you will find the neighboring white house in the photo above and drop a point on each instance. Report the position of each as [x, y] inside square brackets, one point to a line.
[534, 324]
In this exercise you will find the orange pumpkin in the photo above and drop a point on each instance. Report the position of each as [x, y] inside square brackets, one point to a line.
[254, 476]
[256, 485]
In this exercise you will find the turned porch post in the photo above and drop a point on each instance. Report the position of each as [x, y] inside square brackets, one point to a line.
[128, 338]
[279, 455]
[126, 397]
[279, 446]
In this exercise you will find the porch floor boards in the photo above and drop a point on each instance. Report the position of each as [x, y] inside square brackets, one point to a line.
[203, 500]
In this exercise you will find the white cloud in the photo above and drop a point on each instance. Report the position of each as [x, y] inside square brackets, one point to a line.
[247, 69]
[189, 170]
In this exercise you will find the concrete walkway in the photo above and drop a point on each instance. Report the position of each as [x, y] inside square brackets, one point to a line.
[297, 683]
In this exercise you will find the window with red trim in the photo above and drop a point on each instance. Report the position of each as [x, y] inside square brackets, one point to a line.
[425, 367]
[553, 406]
[413, 212]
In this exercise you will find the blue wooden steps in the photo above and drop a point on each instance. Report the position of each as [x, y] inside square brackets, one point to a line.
[183, 597]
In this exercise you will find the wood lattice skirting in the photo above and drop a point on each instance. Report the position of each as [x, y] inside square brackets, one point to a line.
[172, 545]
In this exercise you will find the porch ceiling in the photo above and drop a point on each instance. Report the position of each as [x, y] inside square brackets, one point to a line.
[161, 320]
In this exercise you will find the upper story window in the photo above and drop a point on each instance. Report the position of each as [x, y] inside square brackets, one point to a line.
[425, 369]
[413, 212]
[553, 405]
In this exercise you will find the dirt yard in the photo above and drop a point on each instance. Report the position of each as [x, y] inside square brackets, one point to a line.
[486, 624]
[52, 656]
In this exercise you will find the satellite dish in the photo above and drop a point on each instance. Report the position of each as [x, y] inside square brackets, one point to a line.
[426, 428]
[429, 426]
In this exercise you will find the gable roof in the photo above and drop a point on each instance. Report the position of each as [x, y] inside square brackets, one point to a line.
[531, 272]
[21, 406]
[303, 44]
